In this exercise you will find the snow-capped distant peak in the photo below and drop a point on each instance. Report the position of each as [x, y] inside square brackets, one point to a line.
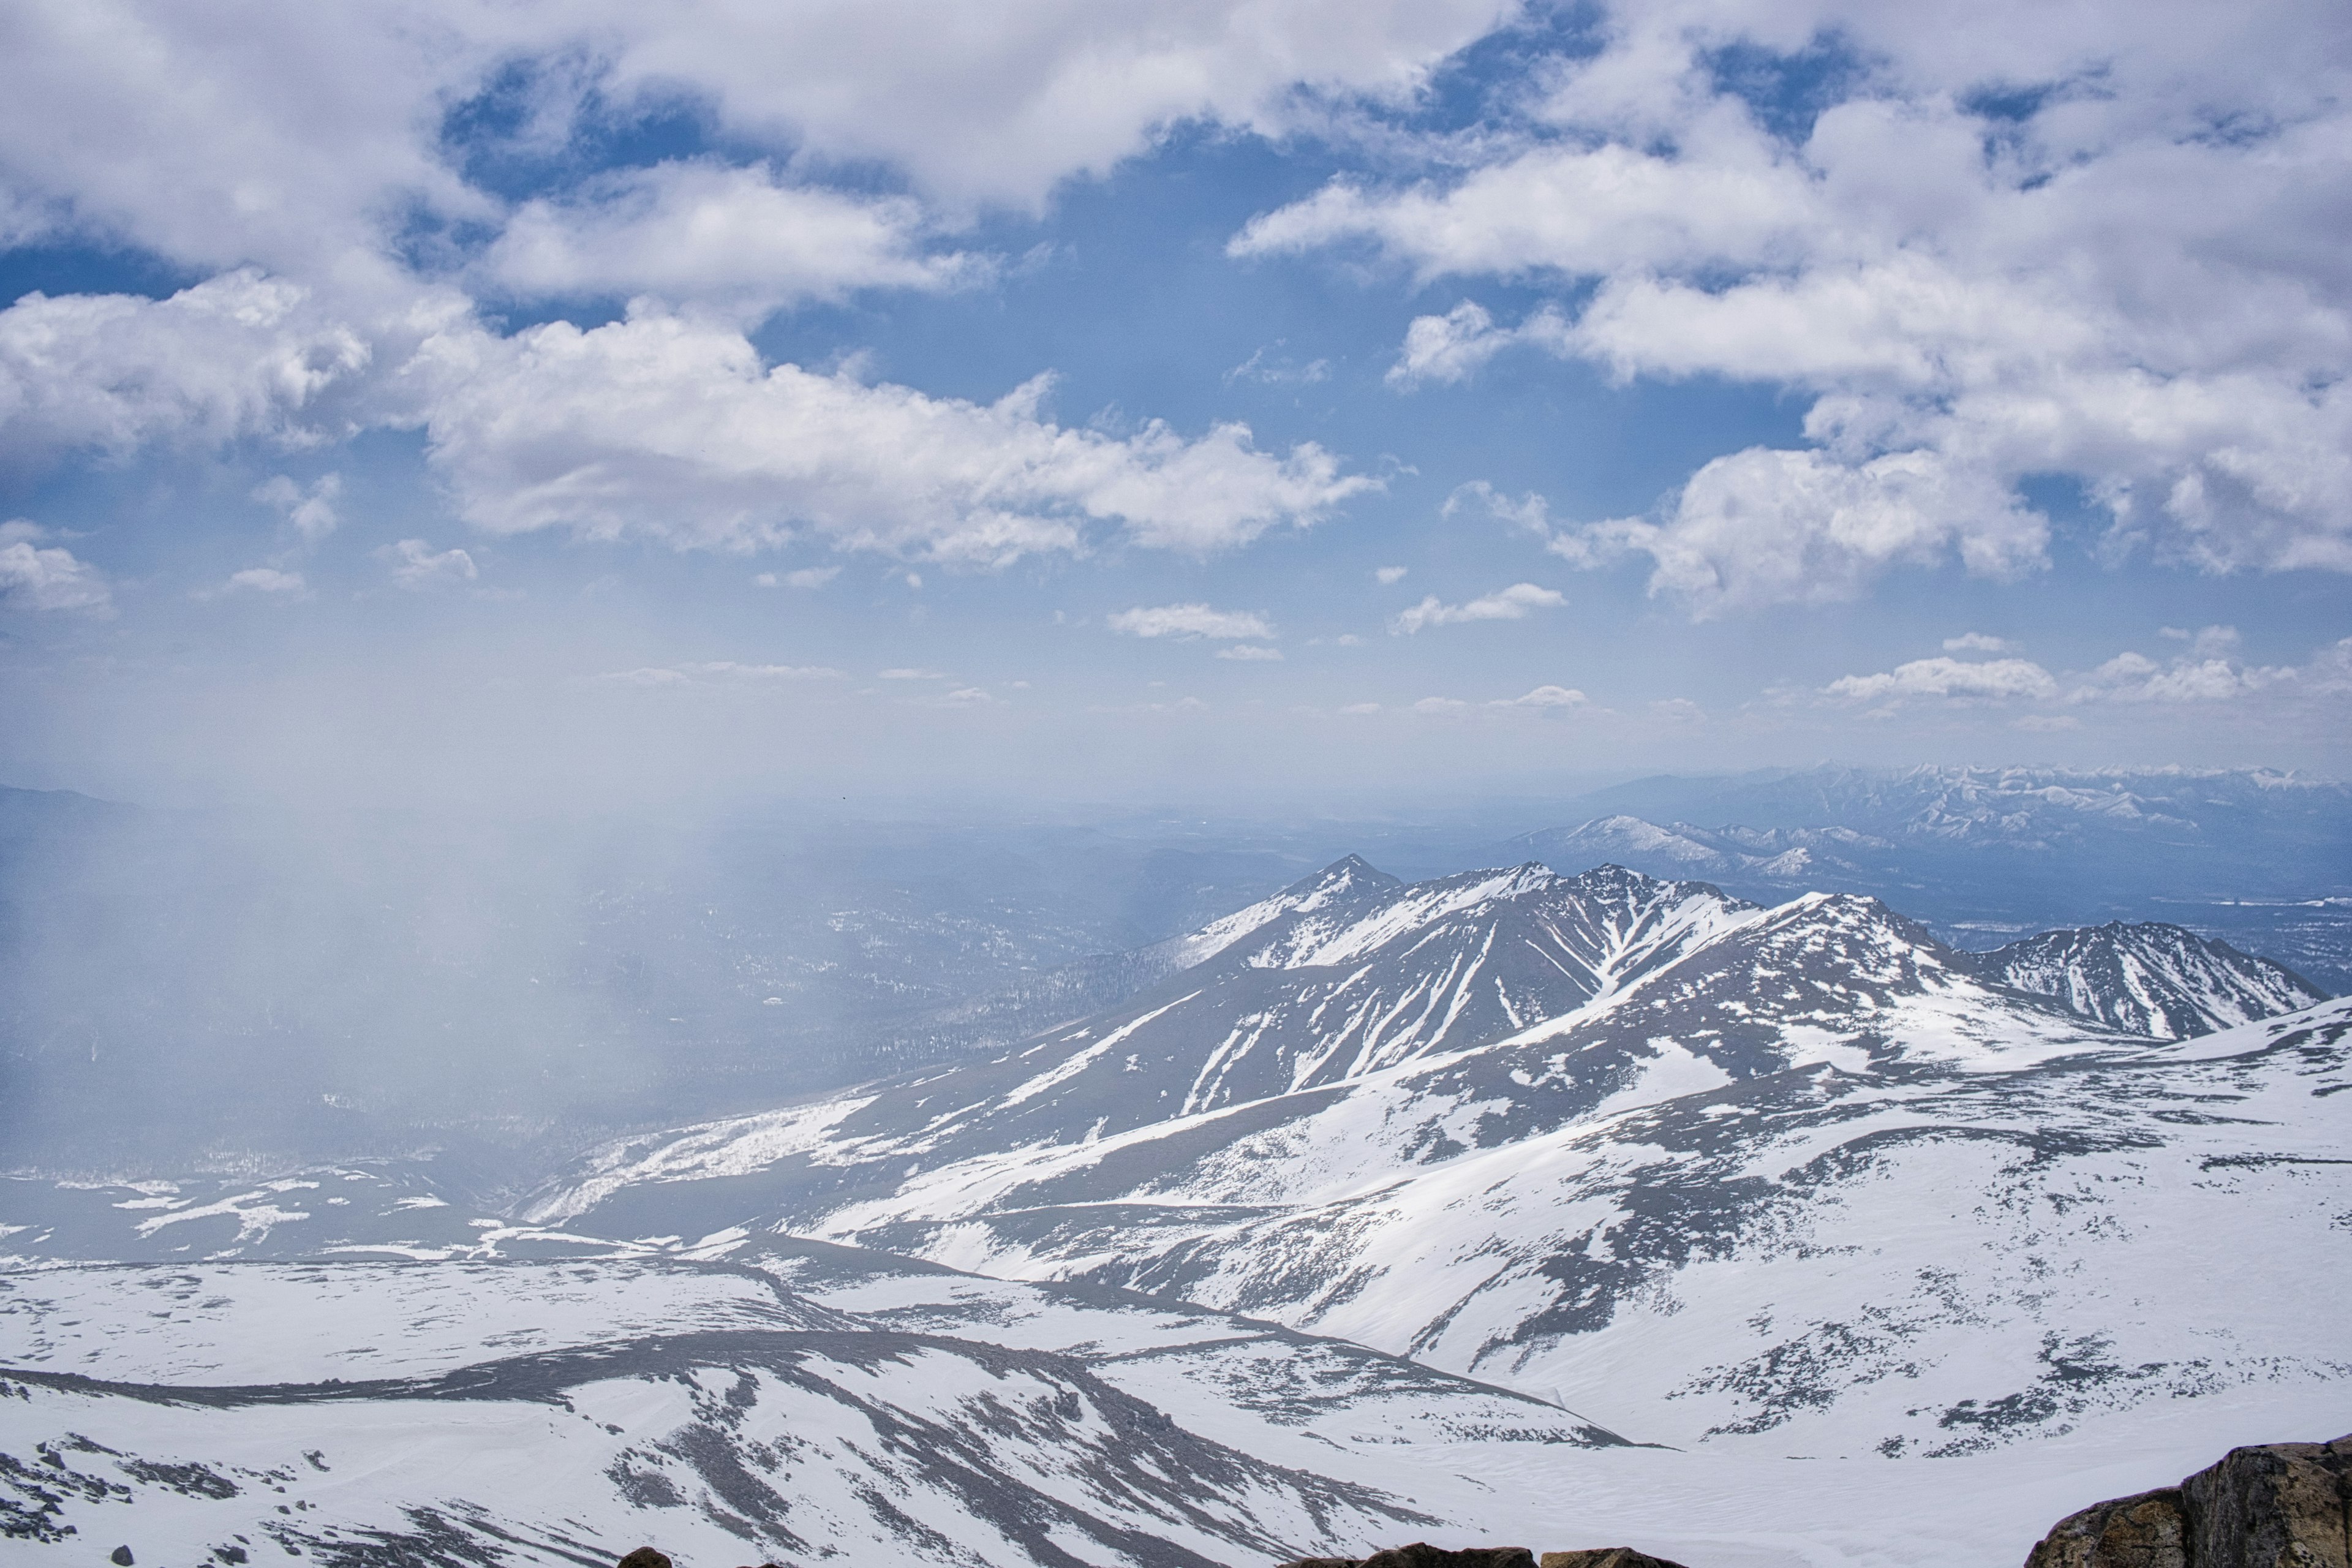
[1345, 879]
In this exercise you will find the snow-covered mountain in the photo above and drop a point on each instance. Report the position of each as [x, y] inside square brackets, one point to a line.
[2149, 979]
[1865, 1191]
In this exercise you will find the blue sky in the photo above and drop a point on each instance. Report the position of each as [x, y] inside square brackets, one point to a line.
[521, 404]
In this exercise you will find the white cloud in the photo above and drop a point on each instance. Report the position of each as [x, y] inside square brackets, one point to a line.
[1992, 679]
[312, 512]
[1977, 642]
[1561, 209]
[1439, 705]
[1763, 527]
[1251, 651]
[911, 674]
[1192, 621]
[300, 135]
[37, 577]
[1512, 604]
[1279, 370]
[417, 565]
[805, 577]
[1389, 574]
[2135, 677]
[672, 428]
[1544, 697]
[1456, 346]
[2207, 642]
[2189, 362]
[737, 239]
[1531, 514]
[1361, 707]
[721, 672]
[268, 580]
[238, 355]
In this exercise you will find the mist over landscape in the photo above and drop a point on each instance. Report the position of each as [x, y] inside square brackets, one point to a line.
[1155, 786]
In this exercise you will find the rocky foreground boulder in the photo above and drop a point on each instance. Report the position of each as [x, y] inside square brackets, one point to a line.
[2280, 1505]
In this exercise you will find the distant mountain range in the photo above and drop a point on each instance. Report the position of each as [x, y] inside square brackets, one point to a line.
[2264, 859]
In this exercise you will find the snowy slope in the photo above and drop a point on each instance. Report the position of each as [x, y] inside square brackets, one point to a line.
[822, 1404]
[2149, 978]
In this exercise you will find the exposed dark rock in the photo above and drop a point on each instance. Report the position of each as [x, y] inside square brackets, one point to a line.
[1605, 1557]
[2144, 1530]
[2282, 1505]
[2278, 1505]
[645, 1557]
[1422, 1554]
[120, 1557]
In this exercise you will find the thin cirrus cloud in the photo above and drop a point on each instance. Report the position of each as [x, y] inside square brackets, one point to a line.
[1887, 258]
[1189, 621]
[1515, 602]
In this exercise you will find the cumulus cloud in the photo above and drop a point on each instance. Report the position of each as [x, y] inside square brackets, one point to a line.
[672, 428]
[1977, 642]
[2134, 678]
[1764, 527]
[1947, 679]
[241, 354]
[1456, 346]
[311, 512]
[1193, 621]
[740, 239]
[34, 576]
[1515, 602]
[182, 133]
[907, 672]
[1252, 652]
[1387, 575]
[1889, 258]
[417, 565]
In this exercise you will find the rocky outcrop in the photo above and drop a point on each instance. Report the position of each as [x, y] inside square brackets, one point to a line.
[2279, 1505]
[1421, 1554]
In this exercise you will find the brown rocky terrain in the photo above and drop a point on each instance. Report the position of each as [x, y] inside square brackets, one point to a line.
[2278, 1505]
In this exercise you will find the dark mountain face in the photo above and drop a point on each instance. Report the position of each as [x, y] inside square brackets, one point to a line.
[2148, 979]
